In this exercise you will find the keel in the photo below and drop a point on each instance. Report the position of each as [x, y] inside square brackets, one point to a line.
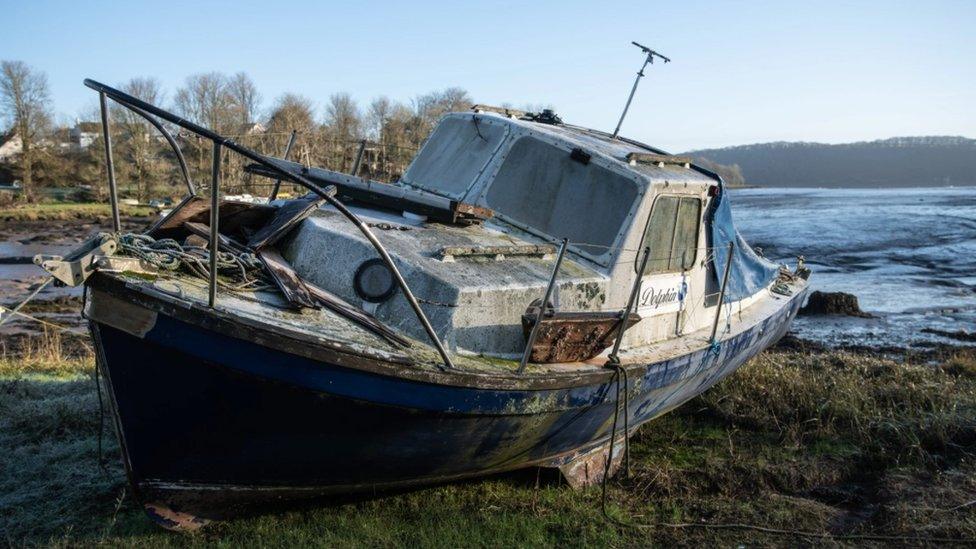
[587, 468]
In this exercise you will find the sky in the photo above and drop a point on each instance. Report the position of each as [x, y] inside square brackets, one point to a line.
[742, 72]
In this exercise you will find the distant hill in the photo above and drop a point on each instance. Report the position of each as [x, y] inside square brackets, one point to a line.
[897, 162]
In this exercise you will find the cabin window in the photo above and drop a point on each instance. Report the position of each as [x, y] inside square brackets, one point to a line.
[672, 234]
[541, 187]
[454, 155]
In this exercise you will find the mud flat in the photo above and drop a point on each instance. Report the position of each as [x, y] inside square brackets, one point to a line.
[20, 241]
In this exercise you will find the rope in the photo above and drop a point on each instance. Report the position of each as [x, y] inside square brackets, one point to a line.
[613, 436]
[244, 270]
[58, 327]
[16, 310]
[101, 419]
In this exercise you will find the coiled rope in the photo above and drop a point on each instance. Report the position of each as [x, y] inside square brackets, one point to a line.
[242, 271]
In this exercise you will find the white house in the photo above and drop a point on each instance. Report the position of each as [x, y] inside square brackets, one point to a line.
[10, 145]
[83, 134]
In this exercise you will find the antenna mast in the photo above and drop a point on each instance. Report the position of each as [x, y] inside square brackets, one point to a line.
[651, 54]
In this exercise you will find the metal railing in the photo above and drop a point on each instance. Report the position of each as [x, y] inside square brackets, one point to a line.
[147, 110]
[542, 307]
[613, 358]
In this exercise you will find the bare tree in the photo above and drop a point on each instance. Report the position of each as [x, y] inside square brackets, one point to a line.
[136, 137]
[432, 106]
[246, 98]
[206, 100]
[343, 126]
[25, 102]
[377, 115]
[292, 112]
[342, 117]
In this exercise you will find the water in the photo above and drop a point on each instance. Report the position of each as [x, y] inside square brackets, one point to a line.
[908, 254]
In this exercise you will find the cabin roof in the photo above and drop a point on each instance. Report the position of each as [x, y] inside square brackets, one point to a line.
[596, 141]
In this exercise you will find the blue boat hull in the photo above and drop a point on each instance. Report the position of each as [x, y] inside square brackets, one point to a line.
[204, 416]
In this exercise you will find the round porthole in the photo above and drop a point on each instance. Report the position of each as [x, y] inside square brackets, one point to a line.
[374, 281]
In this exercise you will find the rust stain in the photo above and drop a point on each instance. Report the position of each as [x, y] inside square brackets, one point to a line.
[169, 519]
[572, 336]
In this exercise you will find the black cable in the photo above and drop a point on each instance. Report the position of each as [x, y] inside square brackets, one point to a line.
[613, 437]
[623, 372]
[477, 128]
[101, 418]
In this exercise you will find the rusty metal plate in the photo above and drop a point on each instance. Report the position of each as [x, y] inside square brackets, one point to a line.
[572, 336]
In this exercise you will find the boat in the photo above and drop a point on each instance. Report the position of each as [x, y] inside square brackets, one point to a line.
[528, 294]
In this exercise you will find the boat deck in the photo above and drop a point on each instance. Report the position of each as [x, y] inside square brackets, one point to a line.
[268, 310]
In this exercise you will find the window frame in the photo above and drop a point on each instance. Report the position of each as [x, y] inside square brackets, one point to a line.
[604, 260]
[674, 232]
[476, 119]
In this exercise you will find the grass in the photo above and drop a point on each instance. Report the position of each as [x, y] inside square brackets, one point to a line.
[829, 442]
[65, 211]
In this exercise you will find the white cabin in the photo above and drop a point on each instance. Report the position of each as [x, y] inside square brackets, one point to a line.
[544, 182]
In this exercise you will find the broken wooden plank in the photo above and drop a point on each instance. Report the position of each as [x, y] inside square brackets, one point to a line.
[287, 280]
[236, 218]
[173, 222]
[287, 216]
[346, 310]
[225, 243]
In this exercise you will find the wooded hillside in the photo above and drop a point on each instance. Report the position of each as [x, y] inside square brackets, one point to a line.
[897, 162]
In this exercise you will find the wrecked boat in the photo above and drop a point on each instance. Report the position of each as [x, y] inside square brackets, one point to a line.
[527, 295]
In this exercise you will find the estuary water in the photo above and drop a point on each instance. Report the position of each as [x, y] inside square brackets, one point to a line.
[908, 254]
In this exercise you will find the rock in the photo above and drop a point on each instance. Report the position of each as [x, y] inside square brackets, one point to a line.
[960, 335]
[790, 342]
[833, 303]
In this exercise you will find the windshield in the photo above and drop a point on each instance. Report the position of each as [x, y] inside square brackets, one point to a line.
[541, 187]
[454, 155]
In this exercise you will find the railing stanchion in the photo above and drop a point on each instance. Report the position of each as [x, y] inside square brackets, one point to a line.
[634, 292]
[359, 158]
[214, 221]
[542, 307]
[109, 165]
[721, 293]
[277, 183]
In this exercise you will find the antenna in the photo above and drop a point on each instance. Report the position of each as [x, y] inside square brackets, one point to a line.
[651, 54]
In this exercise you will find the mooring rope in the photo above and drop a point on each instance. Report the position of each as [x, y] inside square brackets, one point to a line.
[16, 310]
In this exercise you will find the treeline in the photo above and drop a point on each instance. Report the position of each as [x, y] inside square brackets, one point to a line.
[896, 162]
[731, 174]
[328, 135]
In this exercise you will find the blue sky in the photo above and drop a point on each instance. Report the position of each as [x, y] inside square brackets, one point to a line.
[743, 72]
